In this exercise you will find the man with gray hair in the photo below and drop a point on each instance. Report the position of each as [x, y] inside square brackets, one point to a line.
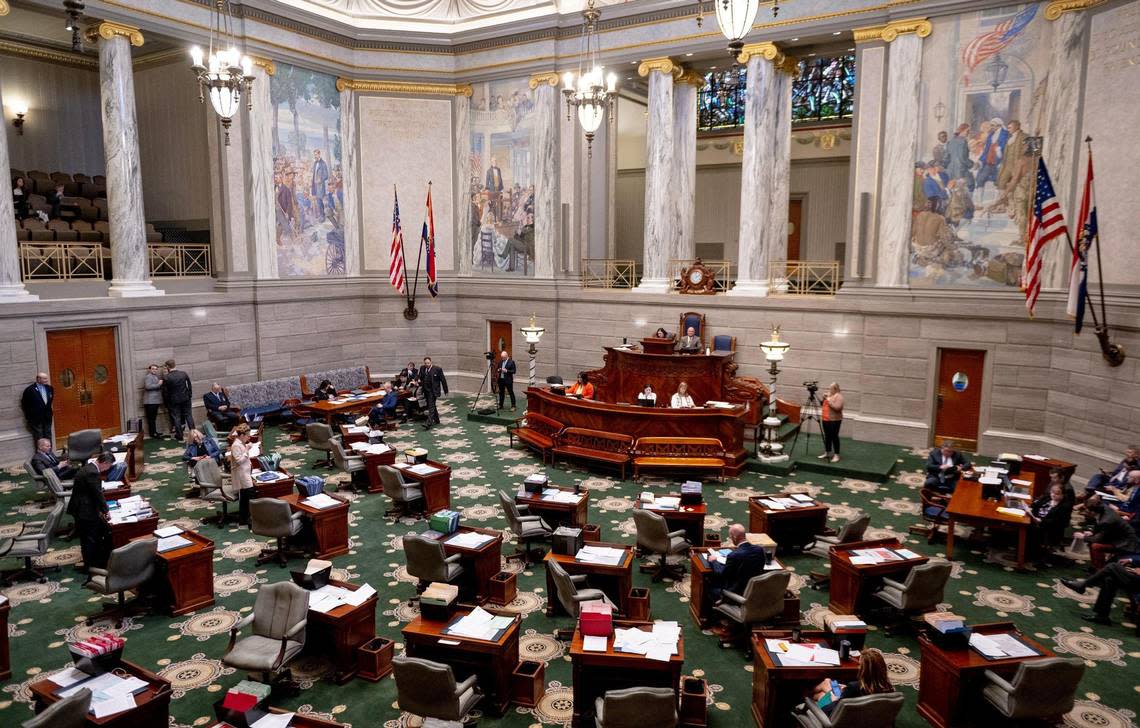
[36, 402]
[734, 571]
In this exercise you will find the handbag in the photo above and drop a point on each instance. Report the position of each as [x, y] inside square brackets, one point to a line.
[269, 461]
[310, 485]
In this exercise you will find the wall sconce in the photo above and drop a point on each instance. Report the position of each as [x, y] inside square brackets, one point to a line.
[21, 110]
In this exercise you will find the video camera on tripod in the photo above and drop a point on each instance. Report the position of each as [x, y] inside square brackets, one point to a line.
[812, 387]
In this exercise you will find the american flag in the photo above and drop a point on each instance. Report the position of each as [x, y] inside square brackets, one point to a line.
[1086, 241]
[991, 43]
[396, 267]
[1047, 223]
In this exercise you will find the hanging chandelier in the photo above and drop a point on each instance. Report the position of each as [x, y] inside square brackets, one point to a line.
[735, 18]
[223, 74]
[593, 91]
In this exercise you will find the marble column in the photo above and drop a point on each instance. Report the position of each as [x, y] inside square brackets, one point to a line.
[775, 234]
[762, 223]
[900, 140]
[263, 221]
[660, 192]
[545, 140]
[11, 286]
[870, 59]
[130, 257]
[464, 234]
[685, 160]
[229, 210]
[350, 150]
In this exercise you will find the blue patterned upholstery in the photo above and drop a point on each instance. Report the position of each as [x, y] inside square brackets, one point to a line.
[342, 379]
[264, 396]
[723, 342]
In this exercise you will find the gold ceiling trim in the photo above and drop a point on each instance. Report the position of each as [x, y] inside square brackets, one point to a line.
[21, 50]
[404, 87]
[887, 33]
[265, 64]
[550, 78]
[108, 30]
[1056, 8]
[664, 64]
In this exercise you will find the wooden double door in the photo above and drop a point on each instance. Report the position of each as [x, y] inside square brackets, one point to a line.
[84, 370]
[958, 397]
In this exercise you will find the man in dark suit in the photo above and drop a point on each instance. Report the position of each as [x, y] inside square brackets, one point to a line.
[409, 372]
[745, 562]
[36, 403]
[506, 378]
[434, 386]
[493, 181]
[944, 466]
[46, 459]
[219, 410]
[89, 509]
[690, 343]
[179, 393]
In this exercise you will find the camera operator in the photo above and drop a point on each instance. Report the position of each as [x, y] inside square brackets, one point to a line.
[832, 419]
[506, 377]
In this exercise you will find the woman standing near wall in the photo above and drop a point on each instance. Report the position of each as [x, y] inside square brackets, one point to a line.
[832, 420]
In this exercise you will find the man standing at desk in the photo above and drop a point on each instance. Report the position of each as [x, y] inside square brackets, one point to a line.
[735, 570]
[434, 386]
[690, 343]
[507, 369]
[176, 385]
[89, 509]
[944, 467]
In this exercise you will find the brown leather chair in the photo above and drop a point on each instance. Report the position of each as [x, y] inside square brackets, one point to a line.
[63, 231]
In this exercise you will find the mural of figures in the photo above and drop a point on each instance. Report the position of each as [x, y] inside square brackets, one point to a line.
[502, 178]
[983, 87]
[307, 175]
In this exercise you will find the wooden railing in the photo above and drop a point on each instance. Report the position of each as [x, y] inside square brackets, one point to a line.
[608, 273]
[722, 273]
[803, 278]
[48, 260]
[179, 260]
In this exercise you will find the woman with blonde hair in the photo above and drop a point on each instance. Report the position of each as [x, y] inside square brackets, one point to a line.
[241, 471]
[831, 420]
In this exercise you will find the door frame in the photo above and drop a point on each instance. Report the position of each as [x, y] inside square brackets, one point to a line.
[120, 325]
[935, 347]
[802, 198]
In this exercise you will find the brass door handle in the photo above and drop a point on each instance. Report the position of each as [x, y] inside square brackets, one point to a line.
[939, 400]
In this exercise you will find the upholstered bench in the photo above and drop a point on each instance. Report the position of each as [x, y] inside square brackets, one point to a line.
[345, 380]
[609, 448]
[538, 432]
[264, 398]
[679, 453]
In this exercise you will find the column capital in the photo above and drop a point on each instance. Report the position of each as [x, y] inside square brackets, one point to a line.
[418, 88]
[887, 33]
[4, 9]
[108, 30]
[664, 65]
[265, 64]
[767, 50]
[692, 78]
[549, 78]
[1053, 10]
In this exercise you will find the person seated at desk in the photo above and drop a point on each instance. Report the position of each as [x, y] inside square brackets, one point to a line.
[682, 399]
[690, 343]
[1051, 514]
[871, 680]
[1128, 494]
[200, 447]
[1109, 534]
[734, 571]
[661, 333]
[1118, 477]
[582, 388]
[46, 459]
[415, 402]
[325, 391]
[218, 408]
[409, 373]
[647, 397]
[385, 409]
[1123, 573]
[944, 467]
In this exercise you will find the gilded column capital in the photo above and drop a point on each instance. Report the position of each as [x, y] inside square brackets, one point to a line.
[108, 30]
[790, 66]
[692, 78]
[419, 88]
[265, 64]
[4, 9]
[887, 33]
[550, 78]
[872, 34]
[767, 50]
[1053, 10]
[664, 65]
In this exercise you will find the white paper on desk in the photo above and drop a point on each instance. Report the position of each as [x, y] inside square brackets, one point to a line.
[660, 651]
[401, 466]
[594, 643]
[825, 656]
[501, 622]
[600, 555]
[1012, 646]
[273, 720]
[356, 429]
[112, 705]
[772, 505]
[172, 542]
[801, 497]
[321, 501]
[1036, 457]
[469, 539]
[112, 484]
[863, 560]
[476, 624]
[70, 676]
[985, 645]
[908, 554]
[773, 565]
[166, 531]
[423, 469]
[101, 685]
[360, 446]
[358, 597]
[667, 501]
[378, 448]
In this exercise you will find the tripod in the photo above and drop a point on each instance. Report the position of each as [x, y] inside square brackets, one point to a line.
[485, 383]
[810, 412]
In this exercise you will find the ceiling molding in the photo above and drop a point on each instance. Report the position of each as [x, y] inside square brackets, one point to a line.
[404, 87]
[25, 49]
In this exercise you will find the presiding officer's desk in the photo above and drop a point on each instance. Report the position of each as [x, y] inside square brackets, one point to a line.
[625, 374]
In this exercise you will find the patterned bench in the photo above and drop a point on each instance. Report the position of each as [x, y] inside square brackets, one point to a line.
[345, 380]
[679, 453]
[597, 446]
[536, 431]
[264, 398]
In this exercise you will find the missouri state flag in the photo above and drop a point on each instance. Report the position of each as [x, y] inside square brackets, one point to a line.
[428, 240]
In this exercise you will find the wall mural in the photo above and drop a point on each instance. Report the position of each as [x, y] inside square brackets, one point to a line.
[307, 176]
[983, 88]
[502, 178]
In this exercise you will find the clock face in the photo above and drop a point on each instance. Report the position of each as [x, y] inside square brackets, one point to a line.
[696, 276]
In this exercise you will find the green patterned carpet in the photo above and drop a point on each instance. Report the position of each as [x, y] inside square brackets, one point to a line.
[187, 650]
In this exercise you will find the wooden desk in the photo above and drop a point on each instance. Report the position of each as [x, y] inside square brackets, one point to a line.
[950, 684]
[123, 491]
[689, 518]
[340, 631]
[776, 689]
[595, 673]
[615, 581]
[124, 533]
[575, 515]
[329, 526]
[185, 579]
[654, 345]
[436, 486]
[968, 506]
[347, 438]
[492, 662]
[481, 563]
[299, 720]
[1039, 469]
[5, 660]
[274, 489]
[136, 458]
[850, 582]
[793, 528]
[371, 462]
[701, 576]
[152, 705]
[328, 409]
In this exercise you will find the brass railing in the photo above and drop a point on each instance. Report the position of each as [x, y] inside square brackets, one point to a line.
[608, 273]
[60, 261]
[722, 273]
[179, 260]
[803, 277]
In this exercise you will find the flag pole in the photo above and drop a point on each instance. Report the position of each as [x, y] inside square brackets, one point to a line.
[410, 313]
[1099, 269]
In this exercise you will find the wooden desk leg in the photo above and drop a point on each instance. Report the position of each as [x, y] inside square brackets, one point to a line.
[1021, 534]
[950, 538]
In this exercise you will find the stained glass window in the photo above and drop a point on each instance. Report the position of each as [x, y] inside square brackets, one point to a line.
[824, 89]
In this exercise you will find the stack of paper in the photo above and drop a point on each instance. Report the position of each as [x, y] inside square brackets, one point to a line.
[167, 531]
[469, 539]
[944, 621]
[877, 556]
[600, 555]
[773, 504]
[595, 643]
[130, 510]
[807, 654]
[667, 502]
[356, 429]
[834, 622]
[659, 644]
[273, 720]
[112, 484]
[802, 498]
[173, 542]
[423, 469]
[327, 598]
[377, 448]
[562, 496]
[321, 501]
[110, 694]
[359, 446]
[479, 624]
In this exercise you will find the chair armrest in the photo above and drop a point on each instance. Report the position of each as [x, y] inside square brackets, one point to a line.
[731, 597]
[95, 571]
[6, 546]
[818, 713]
[524, 511]
[453, 559]
[893, 584]
[296, 628]
[529, 519]
[465, 685]
[675, 534]
[999, 681]
[242, 623]
[296, 516]
[578, 579]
